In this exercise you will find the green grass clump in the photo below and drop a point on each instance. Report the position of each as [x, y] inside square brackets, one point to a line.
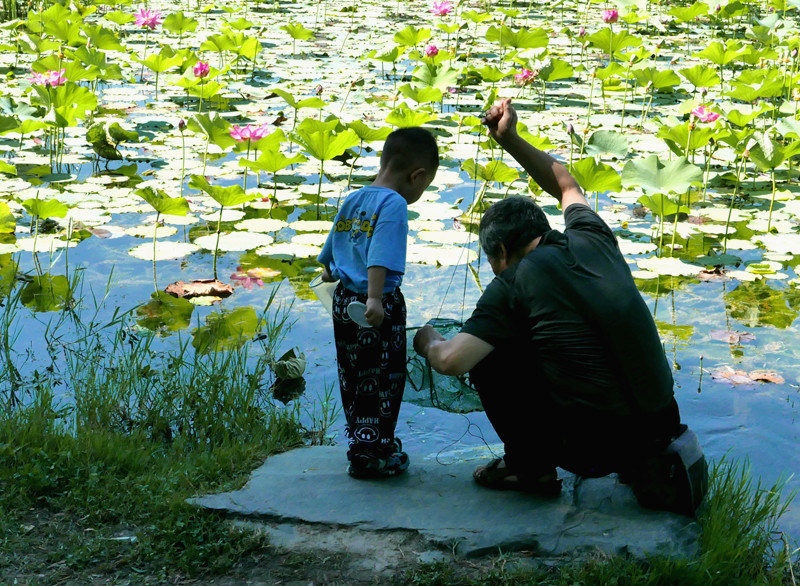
[101, 471]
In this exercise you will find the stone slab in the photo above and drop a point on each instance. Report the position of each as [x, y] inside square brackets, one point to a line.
[443, 504]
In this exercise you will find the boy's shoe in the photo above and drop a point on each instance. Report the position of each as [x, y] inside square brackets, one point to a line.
[371, 466]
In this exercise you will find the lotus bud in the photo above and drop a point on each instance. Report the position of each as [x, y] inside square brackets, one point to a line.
[570, 128]
[717, 8]
[746, 154]
[793, 53]
[181, 124]
[318, 90]
[796, 94]
[581, 32]
[703, 91]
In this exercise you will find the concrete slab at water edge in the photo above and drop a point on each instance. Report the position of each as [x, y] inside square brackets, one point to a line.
[443, 504]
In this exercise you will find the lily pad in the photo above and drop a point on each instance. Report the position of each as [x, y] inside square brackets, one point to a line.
[234, 241]
[163, 250]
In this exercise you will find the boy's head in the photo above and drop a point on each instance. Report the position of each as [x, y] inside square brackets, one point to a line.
[409, 161]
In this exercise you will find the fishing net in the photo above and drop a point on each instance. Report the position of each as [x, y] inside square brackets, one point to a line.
[428, 388]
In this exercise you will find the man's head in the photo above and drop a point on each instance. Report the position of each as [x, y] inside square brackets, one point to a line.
[509, 228]
[409, 161]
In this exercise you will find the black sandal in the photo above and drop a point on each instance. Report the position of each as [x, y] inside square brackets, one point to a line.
[494, 477]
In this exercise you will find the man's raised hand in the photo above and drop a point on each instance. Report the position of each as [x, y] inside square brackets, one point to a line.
[501, 121]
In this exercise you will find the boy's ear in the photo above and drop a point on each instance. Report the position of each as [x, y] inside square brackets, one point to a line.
[418, 173]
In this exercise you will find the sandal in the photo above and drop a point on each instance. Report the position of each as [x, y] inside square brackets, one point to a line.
[497, 478]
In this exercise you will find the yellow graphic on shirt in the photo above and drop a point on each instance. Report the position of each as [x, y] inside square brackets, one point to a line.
[357, 225]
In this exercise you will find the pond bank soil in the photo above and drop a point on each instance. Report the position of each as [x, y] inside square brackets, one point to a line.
[304, 502]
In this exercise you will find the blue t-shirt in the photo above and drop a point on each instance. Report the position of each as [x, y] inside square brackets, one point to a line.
[370, 230]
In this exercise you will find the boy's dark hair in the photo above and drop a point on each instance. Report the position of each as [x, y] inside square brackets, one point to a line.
[513, 222]
[411, 147]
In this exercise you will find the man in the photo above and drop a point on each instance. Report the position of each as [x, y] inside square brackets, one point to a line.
[562, 349]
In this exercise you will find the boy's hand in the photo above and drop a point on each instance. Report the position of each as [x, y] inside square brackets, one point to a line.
[501, 121]
[326, 276]
[374, 312]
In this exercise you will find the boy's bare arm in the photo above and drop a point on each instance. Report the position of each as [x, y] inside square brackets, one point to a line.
[326, 275]
[376, 277]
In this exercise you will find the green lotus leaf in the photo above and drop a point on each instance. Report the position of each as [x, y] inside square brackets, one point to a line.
[8, 223]
[421, 95]
[162, 61]
[789, 127]
[612, 43]
[179, 23]
[224, 196]
[720, 54]
[289, 366]
[490, 73]
[226, 330]
[367, 134]
[656, 176]
[476, 17]
[436, 76]
[165, 313]
[403, 117]
[742, 120]
[297, 31]
[603, 142]
[390, 56]
[45, 208]
[8, 274]
[556, 69]
[662, 205]
[700, 76]
[660, 78]
[163, 203]
[7, 168]
[314, 102]
[8, 124]
[102, 39]
[119, 17]
[272, 161]
[412, 36]
[677, 137]
[119, 134]
[46, 293]
[594, 176]
[214, 127]
[687, 13]
[521, 39]
[758, 304]
[325, 145]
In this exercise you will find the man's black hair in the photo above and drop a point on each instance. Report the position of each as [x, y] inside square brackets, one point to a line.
[513, 222]
[411, 147]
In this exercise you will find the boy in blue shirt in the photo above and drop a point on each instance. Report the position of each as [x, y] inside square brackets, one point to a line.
[366, 252]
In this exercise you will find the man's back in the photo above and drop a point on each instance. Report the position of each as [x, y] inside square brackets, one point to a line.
[574, 300]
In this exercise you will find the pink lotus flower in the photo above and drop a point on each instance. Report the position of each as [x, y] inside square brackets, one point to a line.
[581, 32]
[431, 51]
[442, 8]
[249, 132]
[201, 69]
[610, 16]
[148, 18]
[525, 77]
[246, 279]
[704, 114]
[50, 78]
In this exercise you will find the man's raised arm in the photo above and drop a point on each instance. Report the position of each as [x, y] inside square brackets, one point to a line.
[552, 176]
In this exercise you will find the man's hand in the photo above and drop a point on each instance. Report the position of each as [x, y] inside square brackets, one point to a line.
[423, 338]
[374, 312]
[501, 121]
[326, 276]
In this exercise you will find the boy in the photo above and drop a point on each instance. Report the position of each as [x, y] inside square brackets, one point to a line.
[366, 252]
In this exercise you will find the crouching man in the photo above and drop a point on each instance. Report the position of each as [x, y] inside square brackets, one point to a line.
[564, 353]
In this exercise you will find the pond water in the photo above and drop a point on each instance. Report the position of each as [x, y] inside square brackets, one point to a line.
[732, 337]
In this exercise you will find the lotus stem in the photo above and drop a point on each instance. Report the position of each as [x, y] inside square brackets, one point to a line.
[216, 246]
[155, 235]
[771, 201]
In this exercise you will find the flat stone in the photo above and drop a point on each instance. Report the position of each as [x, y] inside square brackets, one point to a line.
[442, 503]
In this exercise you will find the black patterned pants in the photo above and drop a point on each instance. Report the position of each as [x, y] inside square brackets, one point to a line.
[372, 371]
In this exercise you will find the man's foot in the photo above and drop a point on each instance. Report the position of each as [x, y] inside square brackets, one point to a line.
[371, 466]
[497, 476]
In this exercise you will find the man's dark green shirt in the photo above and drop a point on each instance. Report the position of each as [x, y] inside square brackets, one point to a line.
[572, 307]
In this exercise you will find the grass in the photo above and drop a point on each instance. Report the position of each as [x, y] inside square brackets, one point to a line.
[94, 479]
